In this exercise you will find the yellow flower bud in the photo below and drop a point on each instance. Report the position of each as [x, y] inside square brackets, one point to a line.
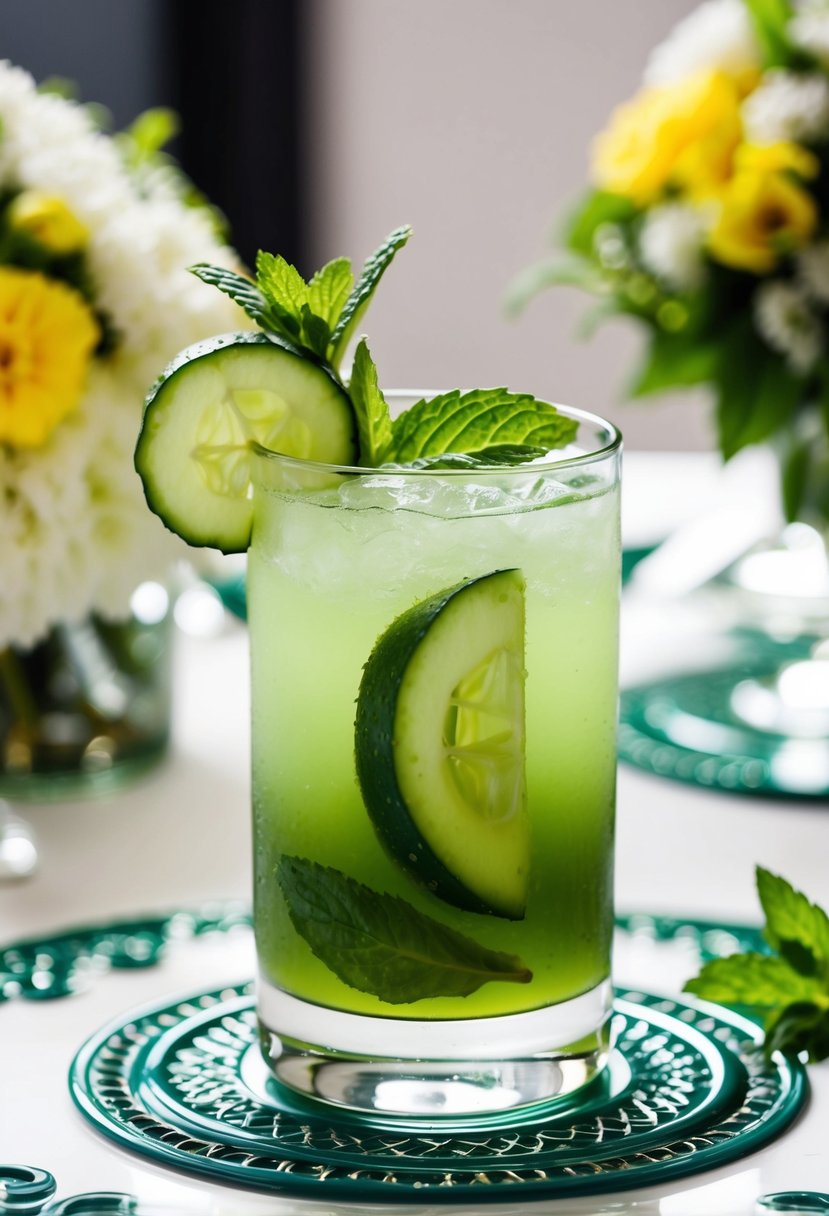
[47, 219]
[763, 217]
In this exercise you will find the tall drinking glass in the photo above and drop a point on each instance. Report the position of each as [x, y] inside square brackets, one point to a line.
[434, 684]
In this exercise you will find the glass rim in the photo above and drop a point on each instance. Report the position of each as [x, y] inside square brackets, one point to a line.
[611, 447]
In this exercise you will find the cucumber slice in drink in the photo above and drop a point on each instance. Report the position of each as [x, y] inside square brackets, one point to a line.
[439, 738]
[214, 398]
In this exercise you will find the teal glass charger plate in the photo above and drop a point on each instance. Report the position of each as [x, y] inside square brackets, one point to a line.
[689, 727]
[684, 728]
[687, 1090]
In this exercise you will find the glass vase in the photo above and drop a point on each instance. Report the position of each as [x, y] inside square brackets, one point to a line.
[88, 706]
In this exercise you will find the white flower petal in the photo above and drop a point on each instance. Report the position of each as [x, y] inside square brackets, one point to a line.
[787, 106]
[786, 321]
[671, 245]
[75, 533]
[716, 36]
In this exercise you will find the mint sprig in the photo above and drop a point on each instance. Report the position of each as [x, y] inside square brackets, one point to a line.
[475, 421]
[789, 989]
[316, 318]
[381, 944]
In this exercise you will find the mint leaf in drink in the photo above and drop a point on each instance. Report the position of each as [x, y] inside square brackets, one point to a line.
[359, 299]
[789, 990]
[508, 454]
[474, 421]
[381, 944]
[370, 408]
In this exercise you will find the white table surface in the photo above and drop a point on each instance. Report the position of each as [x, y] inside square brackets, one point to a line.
[181, 837]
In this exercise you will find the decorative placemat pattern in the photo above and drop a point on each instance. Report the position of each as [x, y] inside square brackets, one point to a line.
[687, 1090]
[69, 962]
[684, 727]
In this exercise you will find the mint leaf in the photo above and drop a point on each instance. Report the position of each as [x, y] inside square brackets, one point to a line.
[240, 289]
[370, 408]
[475, 421]
[316, 332]
[499, 454]
[281, 283]
[790, 989]
[329, 289]
[792, 919]
[357, 302]
[758, 980]
[801, 1026]
[315, 318]
[380, 944]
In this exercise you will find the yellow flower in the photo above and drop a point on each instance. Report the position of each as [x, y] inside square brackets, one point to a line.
[776, 158]
[681, 135]
[764, 213]
[48, 219]
[47, 336]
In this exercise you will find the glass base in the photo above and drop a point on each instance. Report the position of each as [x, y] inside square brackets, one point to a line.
[434, 1069]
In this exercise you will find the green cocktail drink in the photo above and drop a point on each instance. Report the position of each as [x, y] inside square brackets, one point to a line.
[337, 561]
[433, 601]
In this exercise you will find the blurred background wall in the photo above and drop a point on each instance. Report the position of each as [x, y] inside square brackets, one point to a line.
[318, 125]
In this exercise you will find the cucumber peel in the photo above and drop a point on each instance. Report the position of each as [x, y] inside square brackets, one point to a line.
[193, 453]
[439, 744]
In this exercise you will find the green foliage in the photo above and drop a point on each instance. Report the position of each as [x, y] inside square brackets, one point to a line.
[597, 208]
[769, 18]
[756, 393]
[554, 272]
[675, 360]
[795, 476]
[381, 944]
[788, 990]
[151, 131]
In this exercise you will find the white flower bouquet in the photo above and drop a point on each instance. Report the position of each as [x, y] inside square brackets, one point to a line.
[96, 234]
[708, 222]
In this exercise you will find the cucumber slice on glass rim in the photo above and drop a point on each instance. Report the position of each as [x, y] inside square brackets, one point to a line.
[439, 744]
[215, 398]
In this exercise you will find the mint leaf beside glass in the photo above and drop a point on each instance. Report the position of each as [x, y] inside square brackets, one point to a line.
[787, 990]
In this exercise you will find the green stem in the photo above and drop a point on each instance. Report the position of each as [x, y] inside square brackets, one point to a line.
[17, 688]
